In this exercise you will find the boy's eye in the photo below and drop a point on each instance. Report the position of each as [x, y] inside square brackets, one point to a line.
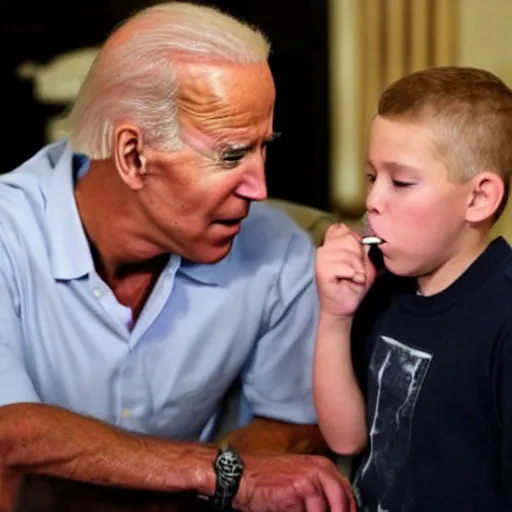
[370, 177]
[401, 183]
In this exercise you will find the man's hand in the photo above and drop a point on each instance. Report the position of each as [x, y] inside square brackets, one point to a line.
[344, 272]
[302, 483]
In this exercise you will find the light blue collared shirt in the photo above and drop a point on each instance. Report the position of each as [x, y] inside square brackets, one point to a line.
[65, 339]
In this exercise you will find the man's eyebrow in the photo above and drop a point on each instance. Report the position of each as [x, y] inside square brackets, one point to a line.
[244, 148]
[273, 136]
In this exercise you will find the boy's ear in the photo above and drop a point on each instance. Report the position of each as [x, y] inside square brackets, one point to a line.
[486, 195]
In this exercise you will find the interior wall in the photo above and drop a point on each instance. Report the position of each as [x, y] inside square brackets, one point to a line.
[485, 41]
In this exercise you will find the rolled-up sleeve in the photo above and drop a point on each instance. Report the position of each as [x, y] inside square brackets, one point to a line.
[277, 382]
[15, 383]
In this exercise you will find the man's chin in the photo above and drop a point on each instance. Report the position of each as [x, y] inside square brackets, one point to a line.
[213, 255]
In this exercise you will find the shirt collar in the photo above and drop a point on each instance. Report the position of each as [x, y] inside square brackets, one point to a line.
[214, 274]
[71, 256]
[70, 253]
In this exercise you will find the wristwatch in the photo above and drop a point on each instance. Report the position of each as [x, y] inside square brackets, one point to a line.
[229, 468]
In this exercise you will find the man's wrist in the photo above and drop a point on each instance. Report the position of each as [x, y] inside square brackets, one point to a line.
[202, 476]
[229, 469]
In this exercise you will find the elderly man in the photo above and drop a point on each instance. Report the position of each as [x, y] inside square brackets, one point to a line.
[136, 284]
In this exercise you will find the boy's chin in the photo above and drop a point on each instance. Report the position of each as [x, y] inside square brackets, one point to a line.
[401, 269]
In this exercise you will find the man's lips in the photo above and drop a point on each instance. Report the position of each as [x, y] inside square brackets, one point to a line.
[232, 217]
[233, 221]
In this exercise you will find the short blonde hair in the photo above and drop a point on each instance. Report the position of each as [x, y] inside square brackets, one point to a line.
[470, 111]
[136, 79]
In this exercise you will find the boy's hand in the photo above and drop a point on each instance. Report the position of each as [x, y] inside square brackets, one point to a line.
[344, 272]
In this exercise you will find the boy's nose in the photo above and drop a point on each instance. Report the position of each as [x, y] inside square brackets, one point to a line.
[374, 199]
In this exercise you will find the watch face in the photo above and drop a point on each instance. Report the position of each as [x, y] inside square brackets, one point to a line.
[229, 465]
[229, 468]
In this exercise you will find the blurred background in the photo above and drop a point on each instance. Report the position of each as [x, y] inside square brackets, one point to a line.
[330, 59]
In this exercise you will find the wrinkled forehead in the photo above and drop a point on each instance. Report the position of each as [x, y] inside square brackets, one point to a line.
[223, 97]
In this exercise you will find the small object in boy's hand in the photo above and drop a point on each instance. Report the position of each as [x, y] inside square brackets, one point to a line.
[371, 240]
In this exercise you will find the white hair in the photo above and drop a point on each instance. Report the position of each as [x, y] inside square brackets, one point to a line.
[135, 79]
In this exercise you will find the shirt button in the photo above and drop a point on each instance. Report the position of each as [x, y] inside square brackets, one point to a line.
[126, 413]
[98, 293]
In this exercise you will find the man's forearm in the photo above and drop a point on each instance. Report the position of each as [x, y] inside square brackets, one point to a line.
[47, 440]
[265, 435]
[51, 494]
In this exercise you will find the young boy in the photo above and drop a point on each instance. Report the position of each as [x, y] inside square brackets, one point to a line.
[431, 342]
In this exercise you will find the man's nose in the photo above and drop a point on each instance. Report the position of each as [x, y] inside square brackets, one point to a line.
[253, 185]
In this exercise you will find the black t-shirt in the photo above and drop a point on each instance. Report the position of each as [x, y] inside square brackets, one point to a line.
[437, 376]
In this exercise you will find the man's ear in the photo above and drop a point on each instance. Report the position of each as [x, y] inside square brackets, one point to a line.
[486, 195]
[128, 155]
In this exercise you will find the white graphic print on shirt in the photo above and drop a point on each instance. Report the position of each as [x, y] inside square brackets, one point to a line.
[397, 372]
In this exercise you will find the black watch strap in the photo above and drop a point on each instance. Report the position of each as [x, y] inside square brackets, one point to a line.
[229, 468]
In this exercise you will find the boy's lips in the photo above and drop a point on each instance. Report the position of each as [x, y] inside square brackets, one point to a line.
[371, 231]
[370, 235]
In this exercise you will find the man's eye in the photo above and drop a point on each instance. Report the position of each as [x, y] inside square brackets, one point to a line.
[232, 159]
